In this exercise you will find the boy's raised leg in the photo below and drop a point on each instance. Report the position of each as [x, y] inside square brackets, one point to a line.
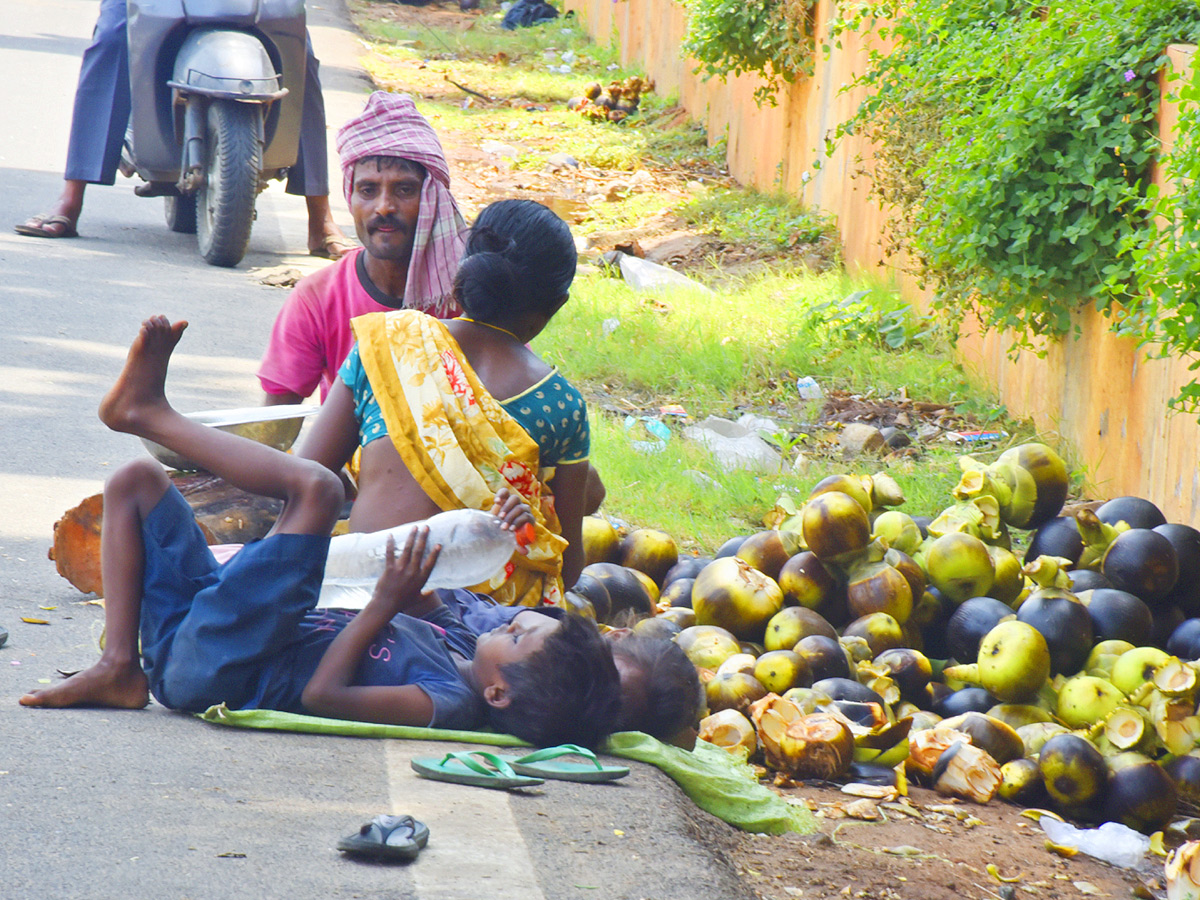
[137, 404]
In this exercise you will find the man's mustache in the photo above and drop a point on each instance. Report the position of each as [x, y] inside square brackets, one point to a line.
[386, 222]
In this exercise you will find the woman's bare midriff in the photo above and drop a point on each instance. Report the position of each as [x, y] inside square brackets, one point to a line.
[388, 495]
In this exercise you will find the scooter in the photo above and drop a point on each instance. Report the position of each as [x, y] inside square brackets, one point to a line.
[218, 88]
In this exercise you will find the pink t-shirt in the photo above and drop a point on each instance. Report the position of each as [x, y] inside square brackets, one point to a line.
[311, 336]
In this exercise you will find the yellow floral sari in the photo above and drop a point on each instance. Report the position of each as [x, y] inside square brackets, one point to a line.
[458, 442]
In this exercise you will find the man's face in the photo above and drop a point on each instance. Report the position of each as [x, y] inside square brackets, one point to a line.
[385, 204]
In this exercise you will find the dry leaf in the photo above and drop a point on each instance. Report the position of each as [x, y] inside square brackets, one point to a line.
[32, 621]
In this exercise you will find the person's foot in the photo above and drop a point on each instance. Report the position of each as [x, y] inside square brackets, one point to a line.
[50, 225]
[331, 244]
[116, 685]
[325, 239]
[139, 391]
[60, 220]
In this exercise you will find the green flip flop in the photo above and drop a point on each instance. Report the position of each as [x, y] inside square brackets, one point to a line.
[546, 763]
[476, 767]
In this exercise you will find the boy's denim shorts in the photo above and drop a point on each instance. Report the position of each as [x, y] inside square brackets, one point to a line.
[209, 631]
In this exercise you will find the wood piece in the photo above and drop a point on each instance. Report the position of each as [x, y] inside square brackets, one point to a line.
[225, 514]
[76, 547]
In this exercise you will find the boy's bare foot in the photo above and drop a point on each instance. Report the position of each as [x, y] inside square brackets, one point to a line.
[139, 391]
[120, 686]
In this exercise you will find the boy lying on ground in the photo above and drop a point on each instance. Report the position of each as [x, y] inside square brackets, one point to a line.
[245, 633]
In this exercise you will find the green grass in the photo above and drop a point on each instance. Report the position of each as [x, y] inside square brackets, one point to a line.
[748, 216]
[484, 39]
[723, 354]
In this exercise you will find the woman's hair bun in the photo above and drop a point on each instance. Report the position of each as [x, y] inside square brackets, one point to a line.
[487, 240]
[485, 283]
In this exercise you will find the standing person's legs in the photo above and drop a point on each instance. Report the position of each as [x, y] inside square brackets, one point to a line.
[101, 116]
[309, 177]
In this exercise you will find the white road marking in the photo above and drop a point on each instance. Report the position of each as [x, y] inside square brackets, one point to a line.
[475, 848]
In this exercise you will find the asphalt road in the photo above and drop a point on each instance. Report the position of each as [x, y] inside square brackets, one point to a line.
[155, 804]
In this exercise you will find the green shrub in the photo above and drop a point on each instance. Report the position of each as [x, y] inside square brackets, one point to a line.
[1017, 140]
[772, 38]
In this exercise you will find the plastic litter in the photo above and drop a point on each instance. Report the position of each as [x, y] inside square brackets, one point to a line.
[974, 437]
[1112, 842]
[474, 548]
[643, 275]
[608, 326]
[660, 432]
[734, 445]
[808, 388]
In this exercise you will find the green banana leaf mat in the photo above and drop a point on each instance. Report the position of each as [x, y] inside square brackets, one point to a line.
[715, 781]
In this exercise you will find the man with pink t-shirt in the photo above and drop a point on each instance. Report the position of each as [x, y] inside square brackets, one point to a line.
[397, 184]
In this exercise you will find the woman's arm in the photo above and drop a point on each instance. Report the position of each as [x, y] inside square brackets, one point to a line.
[331, 692]
[569, 486]
[333, 437]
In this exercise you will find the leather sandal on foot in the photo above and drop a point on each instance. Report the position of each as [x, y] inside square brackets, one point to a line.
[333, 247]
[387, 837]
[40, 226]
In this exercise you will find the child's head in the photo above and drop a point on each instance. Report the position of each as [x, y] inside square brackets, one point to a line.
[520, 259]
[660, 689]
[548, 681]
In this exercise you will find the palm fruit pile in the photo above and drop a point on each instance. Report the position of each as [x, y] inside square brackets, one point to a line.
[853, 638]
[612, 104]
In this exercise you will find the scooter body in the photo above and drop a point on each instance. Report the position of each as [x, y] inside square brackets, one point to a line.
[218, 91]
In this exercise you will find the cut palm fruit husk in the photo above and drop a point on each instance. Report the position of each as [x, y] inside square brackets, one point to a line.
[1157, 846]
[884, 736]
[1176, 678]
[1126, 727]
[1182, 872]
[870, 791]
[731, 731]
[925, 747]
[995, 873]
[1062, 850]
[1036, 814]
[966, 771]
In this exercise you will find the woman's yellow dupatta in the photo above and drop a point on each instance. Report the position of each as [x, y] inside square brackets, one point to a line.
[458, 442]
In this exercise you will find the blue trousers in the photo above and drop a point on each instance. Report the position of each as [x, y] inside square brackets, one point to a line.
[103, 102]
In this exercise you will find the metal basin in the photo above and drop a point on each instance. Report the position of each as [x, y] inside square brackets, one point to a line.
[275, 426]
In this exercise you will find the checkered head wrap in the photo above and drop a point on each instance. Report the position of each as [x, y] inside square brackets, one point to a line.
[391, 126]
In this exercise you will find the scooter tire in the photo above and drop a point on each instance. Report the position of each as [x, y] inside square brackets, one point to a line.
[180, 213]
[225, 201]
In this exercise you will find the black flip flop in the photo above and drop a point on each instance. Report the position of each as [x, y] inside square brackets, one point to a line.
[387, 837]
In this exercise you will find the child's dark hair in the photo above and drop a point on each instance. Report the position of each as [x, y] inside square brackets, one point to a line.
[520, 258]
[671, 699]
[568, 692]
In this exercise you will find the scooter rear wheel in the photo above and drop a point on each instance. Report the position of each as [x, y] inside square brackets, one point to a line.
[225, 201]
